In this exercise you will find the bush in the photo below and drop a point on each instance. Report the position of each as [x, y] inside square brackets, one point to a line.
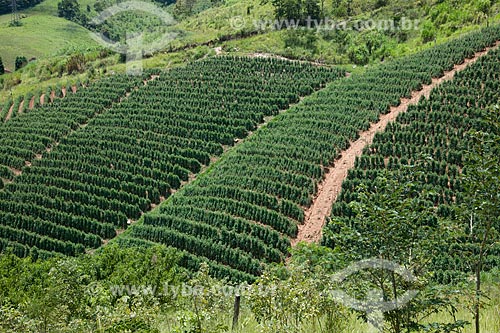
[428, 32]
[21, 61]
[75, 63]
[69, 9]
[358, 54]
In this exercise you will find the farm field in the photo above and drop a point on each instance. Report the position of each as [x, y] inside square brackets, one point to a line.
[42, 35]
[245, 180]
[88, 171]
[431, 139]
[271, 177]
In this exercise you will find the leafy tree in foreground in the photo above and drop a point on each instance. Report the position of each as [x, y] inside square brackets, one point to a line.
[394, 221]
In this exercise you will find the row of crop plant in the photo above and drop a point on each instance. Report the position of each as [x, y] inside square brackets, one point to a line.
[269, 179]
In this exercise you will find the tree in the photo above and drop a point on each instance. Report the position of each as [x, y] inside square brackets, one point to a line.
[393, 221]
[184, 7]
[481, 208]
[69, 9]
[311, 9]
[21, 61]
[2, 69]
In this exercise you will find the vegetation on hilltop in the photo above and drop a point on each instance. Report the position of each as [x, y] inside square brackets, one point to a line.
[6, 5]
[437, 22]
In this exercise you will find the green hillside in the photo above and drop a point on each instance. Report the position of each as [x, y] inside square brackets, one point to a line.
[41, 35]
[251, 178]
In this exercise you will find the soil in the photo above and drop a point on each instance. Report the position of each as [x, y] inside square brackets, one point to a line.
[328, 190]
[9, 114]
[32, 103]
[21, 107]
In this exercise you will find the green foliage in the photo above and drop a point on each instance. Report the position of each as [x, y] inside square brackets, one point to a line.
[395, 222]
[75, 64]
[184, 7]
[428, 32]
[131, 156]
[299, 11]
[5, 5]
[5, 109]
[220, 237]
[481, 181]
[69, 9]
[21, 61]
[282, 308]
[358, 54]
[481, 177]
[79, 294]
[484, 6]
[90, 223]
[301, 38]
[431, 137]
[418, 223]
[273, 174]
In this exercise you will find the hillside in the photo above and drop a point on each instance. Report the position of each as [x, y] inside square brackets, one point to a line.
[252, 179]
[41, 35]
[232, 20]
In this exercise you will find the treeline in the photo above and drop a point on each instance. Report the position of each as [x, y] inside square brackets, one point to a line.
[6, 5]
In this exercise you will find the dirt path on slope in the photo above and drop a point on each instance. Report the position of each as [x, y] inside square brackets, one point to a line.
[32, 103]
[9, 114]
[328, 190]
[21, 107]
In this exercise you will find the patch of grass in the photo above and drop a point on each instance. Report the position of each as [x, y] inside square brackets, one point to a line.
[40, 35]
[490, 313]
[220, 21]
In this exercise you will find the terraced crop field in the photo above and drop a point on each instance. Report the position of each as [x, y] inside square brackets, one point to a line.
[426, 147]
[82, 168]
[192, 159]
[245, 210]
